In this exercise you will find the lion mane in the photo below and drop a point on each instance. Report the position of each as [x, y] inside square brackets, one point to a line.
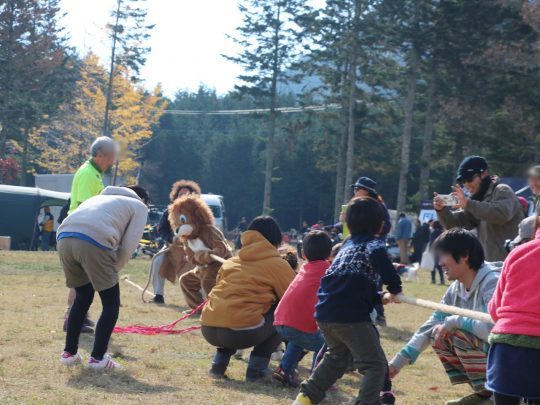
[196, 211]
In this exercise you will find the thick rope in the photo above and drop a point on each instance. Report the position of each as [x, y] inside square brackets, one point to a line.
[145, 290]
[137, 286]
[447, 309]
[167, 329]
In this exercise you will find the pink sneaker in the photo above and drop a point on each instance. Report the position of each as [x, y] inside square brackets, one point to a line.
[69, 359]
[105, 364]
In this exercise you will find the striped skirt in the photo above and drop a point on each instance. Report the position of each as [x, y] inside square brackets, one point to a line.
[464, 359]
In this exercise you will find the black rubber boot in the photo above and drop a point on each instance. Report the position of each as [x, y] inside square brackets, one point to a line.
[257, 368]
[158, 299]
[220, 363]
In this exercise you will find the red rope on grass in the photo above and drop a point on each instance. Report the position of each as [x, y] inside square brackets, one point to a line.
[163, 329]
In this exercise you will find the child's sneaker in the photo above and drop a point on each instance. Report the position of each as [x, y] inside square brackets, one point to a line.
[388, 398]
[302, 399]
[290, 380]
[104, 364]
[69, 359]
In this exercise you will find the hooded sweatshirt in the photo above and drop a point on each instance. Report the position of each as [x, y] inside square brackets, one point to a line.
[477, 299]
[115, 219]
[247, 285]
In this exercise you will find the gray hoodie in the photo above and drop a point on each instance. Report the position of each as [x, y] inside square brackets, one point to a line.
[477, 299]
[115, 219]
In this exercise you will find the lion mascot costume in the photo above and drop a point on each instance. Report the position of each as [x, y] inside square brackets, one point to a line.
[171, 262]
[194, 222]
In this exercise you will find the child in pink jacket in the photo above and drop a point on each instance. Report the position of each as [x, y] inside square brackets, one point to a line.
[514, 355]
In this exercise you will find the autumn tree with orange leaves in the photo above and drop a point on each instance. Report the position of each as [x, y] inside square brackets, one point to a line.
[62, 145]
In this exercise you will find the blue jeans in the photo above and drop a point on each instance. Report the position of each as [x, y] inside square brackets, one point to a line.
[298, 341]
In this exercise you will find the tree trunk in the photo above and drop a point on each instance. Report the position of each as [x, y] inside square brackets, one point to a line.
[340, 173]
[108, 102]
[24, 157]
[406, 134]
[351, 98]
[268, 173]
[3, 141]
[425, 166]
[350, 130]
[458, 154]
[8, 60]
[342, 147]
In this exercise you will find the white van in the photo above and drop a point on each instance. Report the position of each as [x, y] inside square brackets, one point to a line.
[215, 202]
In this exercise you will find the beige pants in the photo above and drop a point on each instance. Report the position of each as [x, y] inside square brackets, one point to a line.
[192, 282]
[403, 251]
[85, 263]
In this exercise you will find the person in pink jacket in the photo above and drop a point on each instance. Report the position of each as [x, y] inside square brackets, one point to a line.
[514, 357]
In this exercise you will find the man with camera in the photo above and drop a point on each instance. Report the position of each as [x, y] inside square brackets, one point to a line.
[492, 208]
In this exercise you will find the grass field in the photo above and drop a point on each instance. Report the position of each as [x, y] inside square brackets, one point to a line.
[160, 369]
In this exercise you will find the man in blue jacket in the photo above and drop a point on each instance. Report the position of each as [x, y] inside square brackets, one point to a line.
[403, 237]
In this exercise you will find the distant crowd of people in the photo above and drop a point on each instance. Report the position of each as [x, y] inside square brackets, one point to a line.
[330, 306]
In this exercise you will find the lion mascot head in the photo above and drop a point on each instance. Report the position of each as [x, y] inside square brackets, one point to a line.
[189, 214]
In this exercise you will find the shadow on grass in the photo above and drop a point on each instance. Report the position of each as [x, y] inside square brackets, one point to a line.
[395, 334]
[86, 342]
[115, 382]
[353, 381]
[275, 390]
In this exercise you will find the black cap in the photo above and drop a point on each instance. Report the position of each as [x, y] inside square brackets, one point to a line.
[471, 166]
[366, 183]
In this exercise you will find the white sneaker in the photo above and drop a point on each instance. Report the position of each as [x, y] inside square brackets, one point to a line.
[104, 364]
[69, 359]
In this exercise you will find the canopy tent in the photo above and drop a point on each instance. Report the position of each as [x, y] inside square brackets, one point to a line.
[19, 210]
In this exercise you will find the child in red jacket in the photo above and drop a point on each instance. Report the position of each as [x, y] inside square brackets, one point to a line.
[294, 316]
[514, 355]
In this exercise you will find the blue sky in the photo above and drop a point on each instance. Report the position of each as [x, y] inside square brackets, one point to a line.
[187, 41]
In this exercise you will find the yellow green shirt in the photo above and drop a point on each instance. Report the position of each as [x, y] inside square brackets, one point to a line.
[86, 183]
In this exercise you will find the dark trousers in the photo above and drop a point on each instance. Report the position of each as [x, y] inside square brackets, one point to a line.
[501, 399]
[45, 241]
[418, 251]
[110, 299]
[437, 269]
[263, 339]
[361, 340]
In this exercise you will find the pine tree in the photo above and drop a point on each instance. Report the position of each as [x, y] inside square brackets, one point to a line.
[50, 72]
[340, 53]
[270, 47]
[35, 70]
[128, 32]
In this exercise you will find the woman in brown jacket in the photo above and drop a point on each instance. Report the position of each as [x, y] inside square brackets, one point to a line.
[240, 309]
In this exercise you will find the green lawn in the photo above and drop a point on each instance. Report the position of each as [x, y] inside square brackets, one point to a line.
[160, 369]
